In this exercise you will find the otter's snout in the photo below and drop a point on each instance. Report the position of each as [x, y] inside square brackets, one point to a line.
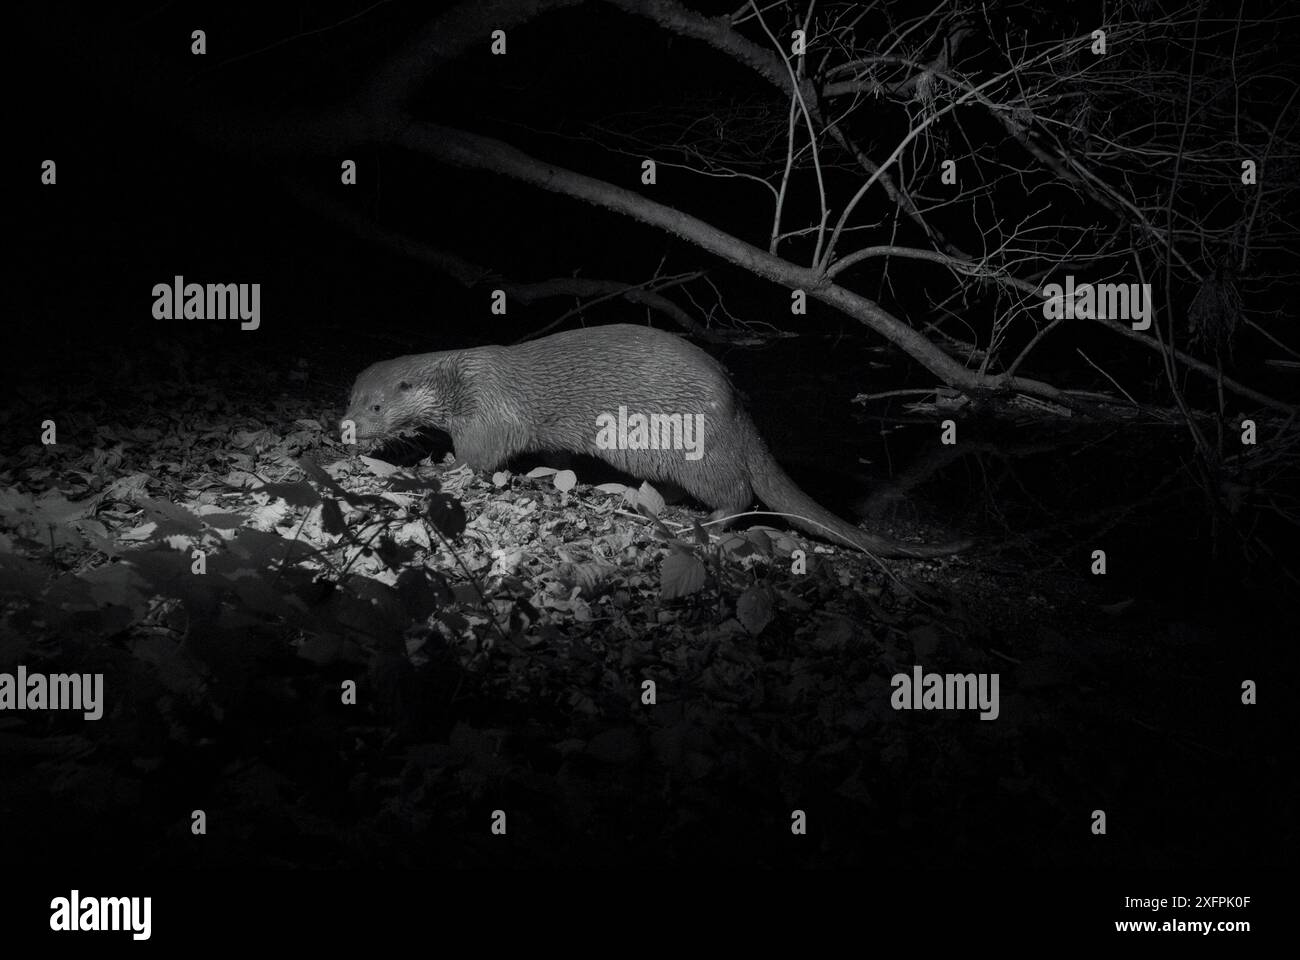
[367, 423]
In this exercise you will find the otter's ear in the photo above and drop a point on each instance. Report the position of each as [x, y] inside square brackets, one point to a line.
[403, 386]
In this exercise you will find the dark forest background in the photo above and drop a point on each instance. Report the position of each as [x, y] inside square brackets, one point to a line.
[1121, 692]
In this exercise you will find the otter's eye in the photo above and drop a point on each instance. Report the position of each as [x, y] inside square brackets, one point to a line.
[403, 386]
[375, 408]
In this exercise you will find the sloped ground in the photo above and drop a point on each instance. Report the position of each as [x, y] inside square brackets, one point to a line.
[501, 664]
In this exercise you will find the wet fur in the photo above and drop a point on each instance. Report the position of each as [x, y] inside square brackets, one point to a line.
[499, 402]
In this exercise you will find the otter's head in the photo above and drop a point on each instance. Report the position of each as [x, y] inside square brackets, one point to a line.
[397, 397]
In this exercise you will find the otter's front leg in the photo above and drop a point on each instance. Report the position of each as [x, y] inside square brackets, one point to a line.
[480, 448]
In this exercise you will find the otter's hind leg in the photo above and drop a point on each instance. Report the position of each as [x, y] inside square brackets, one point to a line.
[727, 513]
[728, 492]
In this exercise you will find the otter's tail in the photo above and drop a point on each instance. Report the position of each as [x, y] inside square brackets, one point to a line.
[775, 488]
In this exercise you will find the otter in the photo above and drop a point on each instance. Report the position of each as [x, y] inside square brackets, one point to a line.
[552, 394]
